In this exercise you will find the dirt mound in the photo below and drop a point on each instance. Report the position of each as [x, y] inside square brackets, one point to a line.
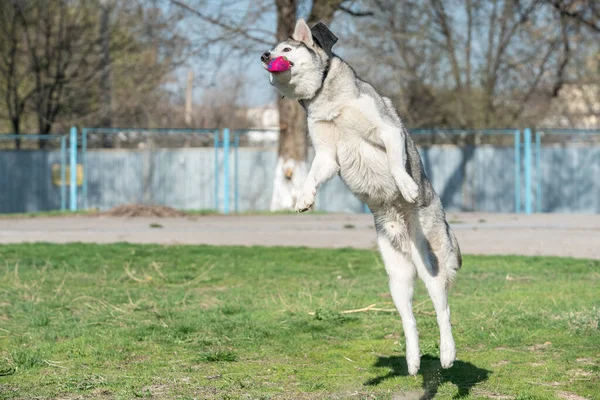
[143, 210]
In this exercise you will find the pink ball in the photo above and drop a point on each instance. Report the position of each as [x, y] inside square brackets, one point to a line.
[279, 64]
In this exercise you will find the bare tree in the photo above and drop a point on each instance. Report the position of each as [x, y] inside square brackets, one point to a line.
[60, 41]
[105, 70]
[147, 47]
[63, 62]
[13, 77]
[492, 71]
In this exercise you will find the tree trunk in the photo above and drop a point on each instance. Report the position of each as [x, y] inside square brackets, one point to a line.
[469, 9]
[105, 69]
[16, 122]
[189, 105]
[323, 10]
[44, 128]
[291, 166]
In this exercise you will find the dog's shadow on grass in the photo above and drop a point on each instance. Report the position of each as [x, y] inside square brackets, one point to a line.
[462, 374]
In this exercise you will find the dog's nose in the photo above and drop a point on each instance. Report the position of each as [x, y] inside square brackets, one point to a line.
[265, 56]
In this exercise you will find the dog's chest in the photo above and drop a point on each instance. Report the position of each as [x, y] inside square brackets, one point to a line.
[360, 153]
[364, 169]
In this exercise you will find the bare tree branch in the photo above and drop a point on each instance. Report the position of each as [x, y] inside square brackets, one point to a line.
[569, 9]
[355, 13]
[443, 20]
[229, 28]
[560, 73]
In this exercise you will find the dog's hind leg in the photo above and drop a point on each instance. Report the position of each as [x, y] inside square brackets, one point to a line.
[435, 276]
[396, 153]
[401, 273]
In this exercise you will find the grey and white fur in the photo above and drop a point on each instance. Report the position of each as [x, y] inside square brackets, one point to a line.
[358, 134]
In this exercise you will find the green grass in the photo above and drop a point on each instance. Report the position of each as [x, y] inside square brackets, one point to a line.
[125, 321]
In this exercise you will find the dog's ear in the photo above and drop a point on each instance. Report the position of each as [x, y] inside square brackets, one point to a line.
[323, 37]
[302, 33]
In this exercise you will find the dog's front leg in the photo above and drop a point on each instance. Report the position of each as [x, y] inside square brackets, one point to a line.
[324, 165]
[396, 154]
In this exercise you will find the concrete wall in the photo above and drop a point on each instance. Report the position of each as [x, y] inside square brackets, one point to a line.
[180, 178]
[570, 179]
[479, 179]
[26, 181]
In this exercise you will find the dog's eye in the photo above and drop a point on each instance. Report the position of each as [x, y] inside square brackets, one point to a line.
[287, 49]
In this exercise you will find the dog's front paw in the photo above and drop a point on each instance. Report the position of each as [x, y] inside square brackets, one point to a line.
[306, 201]
[408, 188]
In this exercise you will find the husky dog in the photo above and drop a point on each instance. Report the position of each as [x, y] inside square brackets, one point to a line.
[357, 133]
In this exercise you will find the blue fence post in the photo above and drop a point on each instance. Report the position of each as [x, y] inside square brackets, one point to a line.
[528, 189]
[517, 171]
[538, 172]
[73, 167]
[236, 191]
[63, 173]
[226, 170]
[84, 185]
[216, 143]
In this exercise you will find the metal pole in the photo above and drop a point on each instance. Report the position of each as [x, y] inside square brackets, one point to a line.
[226, 170]
[84, 188]
[517, 171]
[538, 171]
[528, 190]
[73, 167]
[236, 189]
[216, 142]
[63, 173]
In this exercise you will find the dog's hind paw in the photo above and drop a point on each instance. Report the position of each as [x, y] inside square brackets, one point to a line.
[413, 358]
[413, 364]
[447, 354]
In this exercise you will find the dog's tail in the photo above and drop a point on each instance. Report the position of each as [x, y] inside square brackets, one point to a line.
[454, 257]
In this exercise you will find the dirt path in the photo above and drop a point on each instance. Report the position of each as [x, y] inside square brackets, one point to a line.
[544, 234]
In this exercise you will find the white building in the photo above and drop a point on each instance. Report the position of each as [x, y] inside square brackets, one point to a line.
[265, 125]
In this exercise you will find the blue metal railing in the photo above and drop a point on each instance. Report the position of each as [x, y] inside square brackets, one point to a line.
[517, 171]
[73, 163]
[527, 161]
[226, 170]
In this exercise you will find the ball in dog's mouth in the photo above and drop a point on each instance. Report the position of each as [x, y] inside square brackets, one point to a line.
[279, 64]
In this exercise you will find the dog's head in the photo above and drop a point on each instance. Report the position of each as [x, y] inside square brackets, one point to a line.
[308, 58]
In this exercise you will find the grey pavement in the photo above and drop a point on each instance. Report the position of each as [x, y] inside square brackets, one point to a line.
[572, 235]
